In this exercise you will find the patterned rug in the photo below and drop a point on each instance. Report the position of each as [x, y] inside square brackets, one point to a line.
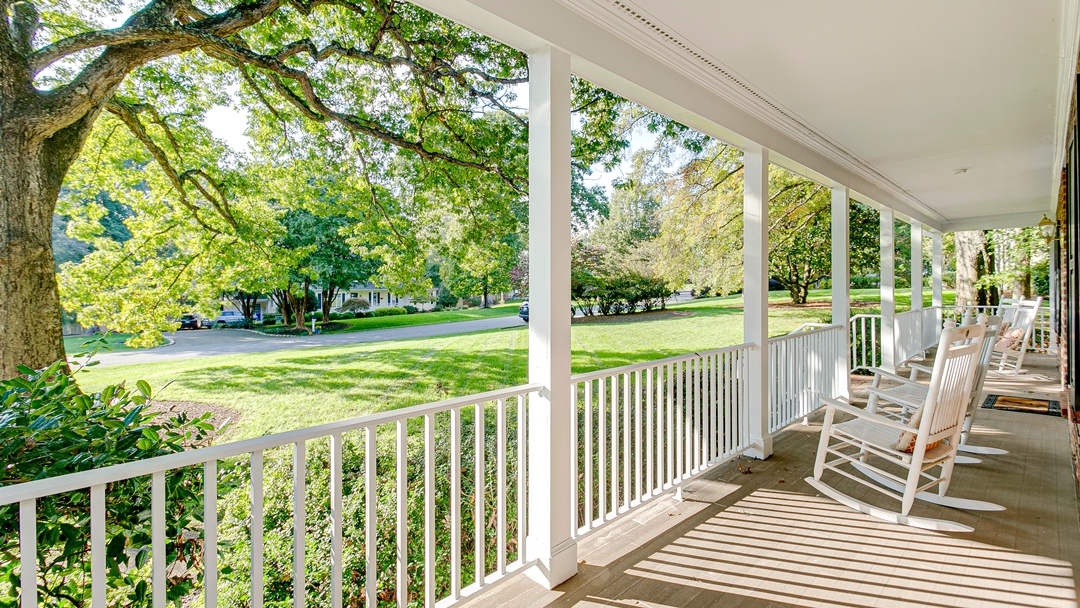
[1023, 404]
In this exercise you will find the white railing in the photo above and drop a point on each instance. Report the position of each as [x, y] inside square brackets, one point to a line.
[865, 341]
[908, 335]
[644, 429]
[803, 368]
[931, 326]
[1041, 332]
[915, 332]
[452, 434]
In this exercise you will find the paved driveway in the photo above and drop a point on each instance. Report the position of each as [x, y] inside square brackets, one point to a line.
[206, 343]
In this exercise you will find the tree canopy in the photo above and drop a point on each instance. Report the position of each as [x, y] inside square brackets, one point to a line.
[420, 113]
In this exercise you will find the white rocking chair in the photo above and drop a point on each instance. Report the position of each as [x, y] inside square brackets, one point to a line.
[933, 434]
[1010, 349]
[909, 394]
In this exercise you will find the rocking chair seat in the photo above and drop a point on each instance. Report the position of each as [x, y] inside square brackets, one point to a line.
[907, 395]
[881, 436]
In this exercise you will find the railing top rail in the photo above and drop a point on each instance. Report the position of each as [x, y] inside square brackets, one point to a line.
[864, 315]
[79, 481]
[799, 334]
[908, 313]
[611, 371]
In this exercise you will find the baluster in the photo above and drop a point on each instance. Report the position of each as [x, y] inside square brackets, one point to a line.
[299, 522]
[500, 467]
[650, 442]
[637, 435]
[614, 401]
[455, 501]
[337, 518]
[601, 415]
[157, 536]
[257, 580]
[669, 397]
[97, 546]
[478, 496]
[28, 552]
[522, 490]
[371, 538]
[588, 455]
[402, 544]
[210, 523]
[626, 456]
[429, 510]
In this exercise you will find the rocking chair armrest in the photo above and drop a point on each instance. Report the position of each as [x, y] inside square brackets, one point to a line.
[926, 369]
[884, 393]
[877, 371]
[861, 413]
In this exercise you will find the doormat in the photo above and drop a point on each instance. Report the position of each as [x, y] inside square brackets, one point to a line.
[1023, 404]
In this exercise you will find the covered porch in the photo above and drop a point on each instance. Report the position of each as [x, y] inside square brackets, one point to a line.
[679, 482]
[754, 533]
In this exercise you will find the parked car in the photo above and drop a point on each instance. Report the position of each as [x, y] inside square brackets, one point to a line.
[523, 311]
[189, 322]
[229, 318]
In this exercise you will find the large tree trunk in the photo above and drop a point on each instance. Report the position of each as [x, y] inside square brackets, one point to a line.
[30, 324]
[328, 295]
[969, 248]
[986, 264]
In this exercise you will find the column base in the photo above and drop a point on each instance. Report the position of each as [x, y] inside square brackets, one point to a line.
[760, 451]
[556, 569]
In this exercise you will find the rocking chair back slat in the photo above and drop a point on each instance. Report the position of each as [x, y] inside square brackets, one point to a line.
[951, 381]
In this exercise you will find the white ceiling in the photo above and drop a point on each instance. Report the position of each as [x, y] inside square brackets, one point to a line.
[918, 90]
[892, 99]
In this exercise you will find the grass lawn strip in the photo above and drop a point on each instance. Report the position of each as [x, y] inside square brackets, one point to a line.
[289, 389]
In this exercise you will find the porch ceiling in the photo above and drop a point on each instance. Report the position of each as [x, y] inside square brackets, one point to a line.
[954, 114]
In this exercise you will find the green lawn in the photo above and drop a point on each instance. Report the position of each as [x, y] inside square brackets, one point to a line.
[428, 318]
[74, 344]
[288, 389]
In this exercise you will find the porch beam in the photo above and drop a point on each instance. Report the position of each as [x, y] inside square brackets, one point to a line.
[888, 289]
[841, 273]
[937, 262]
[916, 266]
[756, 292]
[549, 447]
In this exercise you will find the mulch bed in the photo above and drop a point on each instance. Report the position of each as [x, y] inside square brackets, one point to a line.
[220, 415]
[633, 317]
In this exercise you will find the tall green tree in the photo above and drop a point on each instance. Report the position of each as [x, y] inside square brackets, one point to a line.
[425, 96]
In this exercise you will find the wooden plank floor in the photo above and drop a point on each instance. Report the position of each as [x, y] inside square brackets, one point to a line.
[765, 538]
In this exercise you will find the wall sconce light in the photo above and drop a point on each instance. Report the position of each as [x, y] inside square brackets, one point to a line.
[1048, 228]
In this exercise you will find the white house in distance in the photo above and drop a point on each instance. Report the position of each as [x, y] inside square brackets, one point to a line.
[379, 297]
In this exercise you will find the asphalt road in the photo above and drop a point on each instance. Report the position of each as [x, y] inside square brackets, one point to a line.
[209, 342]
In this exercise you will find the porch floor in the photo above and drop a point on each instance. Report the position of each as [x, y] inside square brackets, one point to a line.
[753, 533]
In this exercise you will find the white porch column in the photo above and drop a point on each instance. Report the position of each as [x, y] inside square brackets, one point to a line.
[938, 265]
[841, 276]
[756, 292]
[888, 290]
[916, 266]
[549, 447]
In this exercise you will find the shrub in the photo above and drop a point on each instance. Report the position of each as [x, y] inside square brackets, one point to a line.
[355, 305]
[388, 311]
[49, 428]
[437, 308]
[864, 282]
[336, 316]
[410, 309]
